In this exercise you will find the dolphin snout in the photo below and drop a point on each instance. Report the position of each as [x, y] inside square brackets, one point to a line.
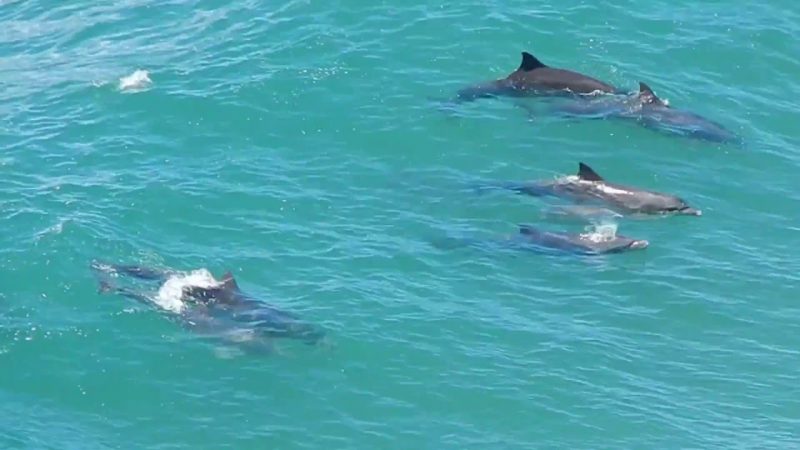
[691, 212]
[639, 244]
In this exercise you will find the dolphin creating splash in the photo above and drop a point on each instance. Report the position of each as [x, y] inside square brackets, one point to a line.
[646, 109]
[593, 243]
[595, 240]
[535, 78]
[209, 306]
[589, 187]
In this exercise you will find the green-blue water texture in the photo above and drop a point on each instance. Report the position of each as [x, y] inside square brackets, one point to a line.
[299, 145]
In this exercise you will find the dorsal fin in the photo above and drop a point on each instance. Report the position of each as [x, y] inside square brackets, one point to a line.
[228, 282]
[587, 173]
[530, 62]
[647, 95]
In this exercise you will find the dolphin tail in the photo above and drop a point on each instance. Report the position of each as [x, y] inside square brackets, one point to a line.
[520, 188]
[529, 230]
[104, 287]
[483, 188]
[143, 273]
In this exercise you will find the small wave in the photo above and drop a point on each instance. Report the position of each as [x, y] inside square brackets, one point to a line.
[169, 296]
[135, 82]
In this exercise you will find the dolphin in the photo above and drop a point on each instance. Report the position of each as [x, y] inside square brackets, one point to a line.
[651, 112]
[582, 243]
[596, 239]
[588, 187]
[535, 78]
[216, 307]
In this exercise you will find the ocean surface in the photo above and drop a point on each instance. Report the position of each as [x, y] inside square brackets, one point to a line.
[301, 145]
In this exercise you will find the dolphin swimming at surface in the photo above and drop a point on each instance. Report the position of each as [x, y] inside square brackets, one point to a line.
[582, 243]
[595, 240]
[213, 307]
[587, 186]
[651, 112]
[535, 78]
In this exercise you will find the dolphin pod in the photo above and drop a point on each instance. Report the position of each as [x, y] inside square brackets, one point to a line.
[592, 98]
[594, 199]
[219, 308]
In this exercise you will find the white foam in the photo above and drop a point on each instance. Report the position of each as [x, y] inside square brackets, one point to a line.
[610, 190]
[600, 232]
[169, 296]
[568, 179]
[137, 81]
[574, 179]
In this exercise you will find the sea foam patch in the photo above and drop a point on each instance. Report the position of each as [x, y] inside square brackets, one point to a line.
[137, 81]
[169, 296]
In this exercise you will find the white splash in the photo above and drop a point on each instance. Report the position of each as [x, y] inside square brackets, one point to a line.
[600, 232]
[137, 81]
[599, 185]
[169, 296]
[610, 190]
[568, 179]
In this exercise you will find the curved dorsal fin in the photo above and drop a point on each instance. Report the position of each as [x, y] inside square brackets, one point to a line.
[647, 95]
[228, 282]
[530, 62]
[587, 173]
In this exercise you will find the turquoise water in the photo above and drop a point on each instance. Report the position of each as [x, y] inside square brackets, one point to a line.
[295, 143]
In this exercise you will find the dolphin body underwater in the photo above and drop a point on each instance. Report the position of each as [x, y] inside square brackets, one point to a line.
[589, 187]
[595, 240]
[646, 109]
[535, 78]
[215, 307]
[581, 243]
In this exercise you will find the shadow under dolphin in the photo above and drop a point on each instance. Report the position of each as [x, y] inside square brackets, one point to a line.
[211, 307]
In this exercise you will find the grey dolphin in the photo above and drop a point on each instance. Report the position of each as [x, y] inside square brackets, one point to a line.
[651, 112]
[580, 243]
[220, 309]
[587, 186]
[534, 77]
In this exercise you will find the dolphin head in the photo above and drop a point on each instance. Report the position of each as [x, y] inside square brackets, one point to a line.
[675, 205]
[689, 211]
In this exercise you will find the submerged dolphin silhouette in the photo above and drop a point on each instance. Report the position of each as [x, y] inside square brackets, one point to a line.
[649, 111]
[219, 308]
[596, 240]
[587, 186]
[535, 78]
